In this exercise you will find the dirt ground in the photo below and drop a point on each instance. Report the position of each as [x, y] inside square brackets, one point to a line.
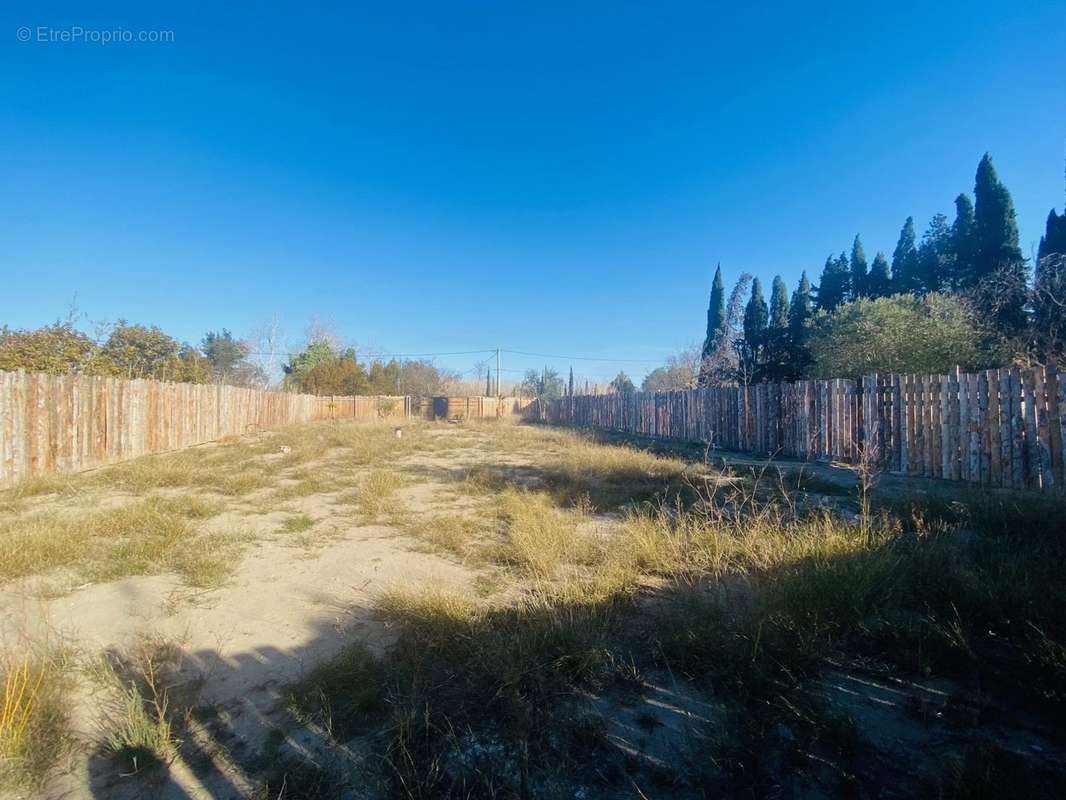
[313, 565]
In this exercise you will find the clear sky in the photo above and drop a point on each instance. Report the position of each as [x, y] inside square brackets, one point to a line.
[548, 177]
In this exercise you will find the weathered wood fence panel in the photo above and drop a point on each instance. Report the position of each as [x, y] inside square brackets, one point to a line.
[1003, 427]
[64, 423]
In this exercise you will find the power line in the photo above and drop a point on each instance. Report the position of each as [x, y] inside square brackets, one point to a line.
[588, 358]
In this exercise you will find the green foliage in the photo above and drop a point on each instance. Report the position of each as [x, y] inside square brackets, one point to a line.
[756, 317]
[1054, 239]
[859, 270]
[963, 243]
[716, 314]
[543, 385]
[833, 286]
[320, 370]
[800, 313]
[621, 384]
[906, 272]
[936, 256]
[56, 349]
[570, 384]
[995, 225]
[902, 333]
[879, 283]
[667, 379]
[228, 360]
[139, 351]
[777, 352]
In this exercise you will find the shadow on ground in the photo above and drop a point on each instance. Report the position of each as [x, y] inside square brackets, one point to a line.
[668, 693]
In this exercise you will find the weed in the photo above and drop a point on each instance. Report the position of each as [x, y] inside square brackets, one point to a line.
[298, 523]
[34, 737]
[342, 696]
[374, 497]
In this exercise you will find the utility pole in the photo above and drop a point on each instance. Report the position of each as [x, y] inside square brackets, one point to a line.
[497, 373]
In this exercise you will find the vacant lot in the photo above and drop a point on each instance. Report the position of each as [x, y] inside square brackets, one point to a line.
[506, 611]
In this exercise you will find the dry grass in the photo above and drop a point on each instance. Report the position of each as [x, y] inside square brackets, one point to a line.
[34, 736]
[734, 592]
[141, 730]
[374, 497]
[139, 538]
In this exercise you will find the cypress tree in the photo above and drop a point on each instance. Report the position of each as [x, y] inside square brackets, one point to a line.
[777, 340]
[715, 313]
[906, 275]
[859, 277]
[779, 305]
[995, 224]
[936, 255]
[1054, 239]
[963, 243]
[570, 386]
[1000, 273]
[832, 288]
[799, 314]
[879, 284]
[756, 318]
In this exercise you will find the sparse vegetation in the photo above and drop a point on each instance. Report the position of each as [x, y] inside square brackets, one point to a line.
[597, 577]
[34, 729]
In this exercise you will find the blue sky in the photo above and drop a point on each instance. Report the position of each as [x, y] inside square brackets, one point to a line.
[548, 177]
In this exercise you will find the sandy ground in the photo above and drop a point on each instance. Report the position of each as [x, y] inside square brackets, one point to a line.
[294, 602]
[285, 608]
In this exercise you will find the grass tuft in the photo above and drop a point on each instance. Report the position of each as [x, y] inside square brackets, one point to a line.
[34, 733]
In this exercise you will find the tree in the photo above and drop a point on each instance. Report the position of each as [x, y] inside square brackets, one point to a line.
[859, 277]
[879, 284]
[544, 385]
[963, 244]
[833, 286]
[800, 313]
[227, 359]
[621, 384]
[906, 273]
[422, 379]
[570, 384]
[936, 256]
[191, 366]
[138, 351]
[340, 375]
[716, 315]
[314, 353]
[778, 344]
[383, 377]
[667, 379]
[902, 333]
[721, 364]
[756, 318]
[1054, 239]
[56, 349]
[995, 225]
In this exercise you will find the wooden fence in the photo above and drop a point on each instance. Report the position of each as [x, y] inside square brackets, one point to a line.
[1000, 427]
[64, 423]
[470, 407]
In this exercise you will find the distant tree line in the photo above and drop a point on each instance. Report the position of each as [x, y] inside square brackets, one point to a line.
[959, 295]
[323, 368]
[129, 351]
[125, 350]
